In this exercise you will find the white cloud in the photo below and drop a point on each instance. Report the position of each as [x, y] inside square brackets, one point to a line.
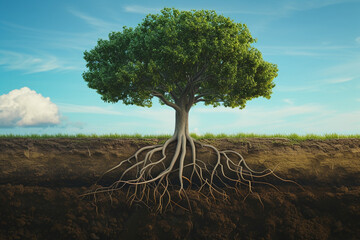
[30, 64]
[140, 9]
[24, 107]
[357, 39]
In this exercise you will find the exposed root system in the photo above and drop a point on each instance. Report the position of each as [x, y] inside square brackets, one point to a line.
[150, 179]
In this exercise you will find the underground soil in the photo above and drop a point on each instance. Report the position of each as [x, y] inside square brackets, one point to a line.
[41, 181]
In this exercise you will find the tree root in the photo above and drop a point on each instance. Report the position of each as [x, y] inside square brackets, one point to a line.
[151, 182]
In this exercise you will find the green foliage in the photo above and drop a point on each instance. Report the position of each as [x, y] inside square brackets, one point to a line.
[189, 56]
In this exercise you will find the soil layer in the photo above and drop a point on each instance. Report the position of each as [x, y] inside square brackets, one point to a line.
[41, 180]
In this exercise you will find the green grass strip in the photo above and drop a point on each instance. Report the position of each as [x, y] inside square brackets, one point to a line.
[292, 136]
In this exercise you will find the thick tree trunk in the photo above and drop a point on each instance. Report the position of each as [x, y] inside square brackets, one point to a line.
[181, 134]
[181, 123]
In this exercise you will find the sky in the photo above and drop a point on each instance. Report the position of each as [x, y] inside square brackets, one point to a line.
[315, 43]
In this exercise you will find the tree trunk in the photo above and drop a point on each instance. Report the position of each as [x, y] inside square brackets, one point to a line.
[181, 122]
[181, 133]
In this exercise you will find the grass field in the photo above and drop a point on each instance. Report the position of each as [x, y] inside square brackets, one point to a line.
[293, 136]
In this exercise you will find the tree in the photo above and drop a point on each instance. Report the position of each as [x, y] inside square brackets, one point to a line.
[182, 58]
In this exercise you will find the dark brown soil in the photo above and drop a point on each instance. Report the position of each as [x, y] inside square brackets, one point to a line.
[41, 179]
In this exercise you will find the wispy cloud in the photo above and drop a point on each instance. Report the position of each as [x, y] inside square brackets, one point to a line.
[279, 9]
[343, 72]
[357, 39]
[154, 114]
[300, 53]
[301, 5]
[308, 88]
[73, 108]
[93, 21]
[250, 12]
[351, 67]
[256, 112]
[140, 9]
[31, 64]
[314, 86]
[288, 101]
[158, 119]
[339, 122]
[45, 39]
[259, 119]
[338, 80]
[301, 119]
[320, 50]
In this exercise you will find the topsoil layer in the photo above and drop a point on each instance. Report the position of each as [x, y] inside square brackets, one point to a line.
[41, 180]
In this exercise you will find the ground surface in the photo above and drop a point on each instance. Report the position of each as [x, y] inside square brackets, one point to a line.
[41, 179]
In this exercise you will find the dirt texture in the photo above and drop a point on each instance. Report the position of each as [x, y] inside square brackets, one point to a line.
[41, 180]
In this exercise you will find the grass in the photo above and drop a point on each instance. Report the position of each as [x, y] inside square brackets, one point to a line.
[294, 137]
[80, 135]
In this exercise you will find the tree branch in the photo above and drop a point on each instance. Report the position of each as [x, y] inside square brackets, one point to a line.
[206, 93]
[199, 100]
[162, 98]
[191, 99]
[198, 75]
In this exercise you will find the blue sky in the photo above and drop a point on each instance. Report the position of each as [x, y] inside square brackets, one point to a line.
[316, 45]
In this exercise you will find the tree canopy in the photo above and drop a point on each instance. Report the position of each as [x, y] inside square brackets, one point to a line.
[181, 57]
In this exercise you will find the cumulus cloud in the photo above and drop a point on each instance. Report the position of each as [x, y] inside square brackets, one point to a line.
[25, 108]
